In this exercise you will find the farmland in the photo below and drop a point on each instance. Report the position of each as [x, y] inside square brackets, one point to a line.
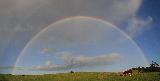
[83, 76]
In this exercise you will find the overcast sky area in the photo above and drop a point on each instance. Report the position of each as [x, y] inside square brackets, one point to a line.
[21, 20]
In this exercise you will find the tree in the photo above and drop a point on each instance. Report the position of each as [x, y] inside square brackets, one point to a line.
[154, 67]
[139, 69]
[154, 64]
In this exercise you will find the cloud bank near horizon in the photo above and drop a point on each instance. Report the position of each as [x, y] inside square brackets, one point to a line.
[71, 61]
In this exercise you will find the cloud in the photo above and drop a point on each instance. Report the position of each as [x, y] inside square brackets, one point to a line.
[2, 68]
[48, 50]
[44, 50]
[36, 11]
[138, 25]
[71, 61]
[20, 20]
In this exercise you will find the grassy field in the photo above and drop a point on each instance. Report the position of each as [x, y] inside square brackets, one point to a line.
[84, 76]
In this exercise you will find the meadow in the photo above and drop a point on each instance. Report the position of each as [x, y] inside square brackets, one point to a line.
[83, 76]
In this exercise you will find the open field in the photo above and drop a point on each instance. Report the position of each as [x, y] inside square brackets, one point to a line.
[82, 76]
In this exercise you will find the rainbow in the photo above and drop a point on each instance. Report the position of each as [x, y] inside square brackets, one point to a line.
[68, 19]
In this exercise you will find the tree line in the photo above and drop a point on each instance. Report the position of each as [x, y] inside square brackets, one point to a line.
[153, 67]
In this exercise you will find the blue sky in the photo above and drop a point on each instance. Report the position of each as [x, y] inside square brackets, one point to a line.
[149, 40]
[21, 20]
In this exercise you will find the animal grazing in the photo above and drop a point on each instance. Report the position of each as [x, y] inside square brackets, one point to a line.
[128, 72]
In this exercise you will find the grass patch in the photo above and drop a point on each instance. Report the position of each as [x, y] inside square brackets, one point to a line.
[83, 76]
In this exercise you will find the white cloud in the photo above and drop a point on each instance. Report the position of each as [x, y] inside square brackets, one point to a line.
[45, 50]
[48, 63]
[72, 61]
[121, 10]
[31, 16]
[48, 50]
[114, 11]
[14, 13]
[138, 25]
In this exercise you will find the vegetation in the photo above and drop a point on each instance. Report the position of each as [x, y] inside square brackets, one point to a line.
[83, 76]
[154, 67]
[151, 73]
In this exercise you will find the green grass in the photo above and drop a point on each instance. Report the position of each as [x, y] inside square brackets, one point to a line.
[83, 76]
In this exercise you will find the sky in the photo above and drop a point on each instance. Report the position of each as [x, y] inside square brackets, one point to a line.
[21, 20]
